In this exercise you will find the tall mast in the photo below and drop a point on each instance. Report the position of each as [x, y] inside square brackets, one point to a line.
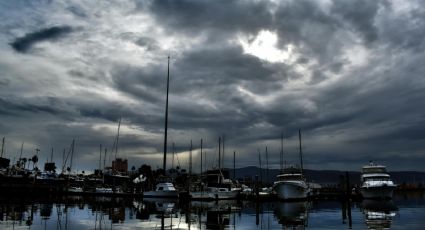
[267, 166]
[219, 153]
[72, 155]
[118, 136]
[301, 152]
[172, 159]
[190, 159]
[100, 157]
[222, 163]
[281, 152]
[201, 158]
[166, 118]
[22, 148]
[2, 147]
[261, 169]
[234, 165]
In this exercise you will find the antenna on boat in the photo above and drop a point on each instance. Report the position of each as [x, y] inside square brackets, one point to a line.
[301, 152]
[166, 118]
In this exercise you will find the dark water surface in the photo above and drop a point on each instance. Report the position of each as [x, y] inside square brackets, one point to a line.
[405, 211]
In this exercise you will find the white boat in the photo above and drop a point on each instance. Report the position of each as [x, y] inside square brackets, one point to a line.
[217, 187]
[163, 189]
[376, 182]
[291, 184]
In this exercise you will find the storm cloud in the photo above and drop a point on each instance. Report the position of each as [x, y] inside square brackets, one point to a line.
[23, 44]
[348, 73]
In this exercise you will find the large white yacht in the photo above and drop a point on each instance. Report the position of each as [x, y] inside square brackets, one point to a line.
[291, 184]
[376, 182]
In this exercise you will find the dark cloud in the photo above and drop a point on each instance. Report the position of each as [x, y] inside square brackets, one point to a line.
[149, 43]
[16, 108]
[23, 44]
[199, 16]
[360, 15]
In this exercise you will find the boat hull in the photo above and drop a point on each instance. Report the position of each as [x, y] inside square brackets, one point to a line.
[288, 190]
[377, 192]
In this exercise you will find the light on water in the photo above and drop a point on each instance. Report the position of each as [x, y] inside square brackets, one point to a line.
[403, 212]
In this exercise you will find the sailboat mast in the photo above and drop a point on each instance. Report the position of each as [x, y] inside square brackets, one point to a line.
[267, 166]
[72, 155]
[172, 159]
[201, 158]
[234, 165]
[301, 152]
[281, 152]
[22, 148]
[118, 136]
[219, 153]
[166, 118]
[100, 157]
[2, 147]
[222, 163]
[190, 159]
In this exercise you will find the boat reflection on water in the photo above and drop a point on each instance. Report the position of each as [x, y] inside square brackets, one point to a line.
[292, 214]
[379, 213]
[218, 213]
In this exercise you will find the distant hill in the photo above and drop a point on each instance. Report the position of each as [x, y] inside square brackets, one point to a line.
[329, 176]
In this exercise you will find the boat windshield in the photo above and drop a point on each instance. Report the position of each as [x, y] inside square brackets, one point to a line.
[374, 170]
[377, 178]
[290, 177]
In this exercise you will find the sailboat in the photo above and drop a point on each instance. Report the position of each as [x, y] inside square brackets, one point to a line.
[291, 183]
[164, 188]
[217, 186]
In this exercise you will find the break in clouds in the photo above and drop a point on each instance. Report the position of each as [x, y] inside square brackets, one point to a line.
[349, 74]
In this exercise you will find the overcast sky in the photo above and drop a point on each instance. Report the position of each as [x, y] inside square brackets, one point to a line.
[348, 73]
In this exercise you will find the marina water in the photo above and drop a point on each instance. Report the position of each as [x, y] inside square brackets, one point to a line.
[405, 211]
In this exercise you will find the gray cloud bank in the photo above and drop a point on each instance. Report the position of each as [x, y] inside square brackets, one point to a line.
[350, 76]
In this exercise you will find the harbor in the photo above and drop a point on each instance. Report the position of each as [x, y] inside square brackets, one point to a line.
[197, 114]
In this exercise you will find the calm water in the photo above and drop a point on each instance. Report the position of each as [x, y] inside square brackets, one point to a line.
[404, 212]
